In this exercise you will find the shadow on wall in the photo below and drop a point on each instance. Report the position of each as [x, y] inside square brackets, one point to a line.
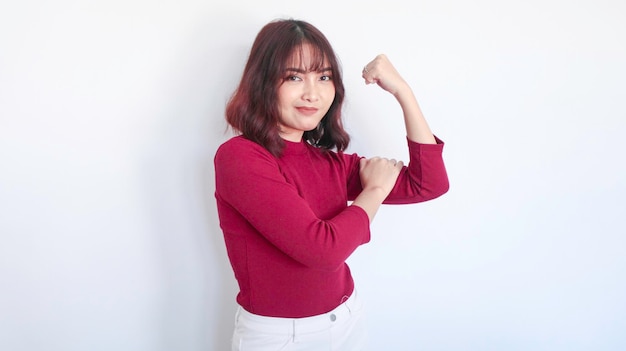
[197, 284]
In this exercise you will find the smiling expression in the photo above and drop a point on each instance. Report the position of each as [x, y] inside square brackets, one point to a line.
[304, 96]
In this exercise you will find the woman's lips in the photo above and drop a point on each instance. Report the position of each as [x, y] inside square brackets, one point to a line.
[307, 110]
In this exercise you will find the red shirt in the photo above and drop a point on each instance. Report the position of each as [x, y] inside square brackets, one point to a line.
[287, 225]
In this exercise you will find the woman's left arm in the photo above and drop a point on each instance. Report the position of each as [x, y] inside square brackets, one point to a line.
[425, 176]
[380, 71]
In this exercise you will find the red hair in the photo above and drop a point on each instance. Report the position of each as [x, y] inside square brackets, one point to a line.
[253, 108]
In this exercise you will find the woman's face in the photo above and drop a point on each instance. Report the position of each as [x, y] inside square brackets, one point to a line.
[304, 97]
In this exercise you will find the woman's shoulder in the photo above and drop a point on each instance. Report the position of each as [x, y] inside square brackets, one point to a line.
[239, 151]
[239, 145]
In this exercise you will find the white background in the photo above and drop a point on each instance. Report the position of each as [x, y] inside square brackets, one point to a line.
[111, 111]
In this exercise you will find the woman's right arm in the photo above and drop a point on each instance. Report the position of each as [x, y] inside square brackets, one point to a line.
[255, 198]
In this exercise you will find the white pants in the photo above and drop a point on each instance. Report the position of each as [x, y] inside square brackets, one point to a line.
[342, 329]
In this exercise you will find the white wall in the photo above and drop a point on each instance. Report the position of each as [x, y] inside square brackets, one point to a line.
[110, 112]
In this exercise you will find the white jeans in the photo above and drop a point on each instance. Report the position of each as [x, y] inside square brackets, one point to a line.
[342, 329]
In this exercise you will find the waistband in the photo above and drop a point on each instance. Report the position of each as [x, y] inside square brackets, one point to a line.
[304, 325]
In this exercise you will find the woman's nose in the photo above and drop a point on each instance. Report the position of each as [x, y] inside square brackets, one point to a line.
[310, 92]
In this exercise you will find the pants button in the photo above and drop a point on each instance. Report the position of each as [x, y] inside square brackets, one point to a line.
[333, 317]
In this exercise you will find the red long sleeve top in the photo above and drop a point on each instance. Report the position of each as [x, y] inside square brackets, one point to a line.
[287, 225]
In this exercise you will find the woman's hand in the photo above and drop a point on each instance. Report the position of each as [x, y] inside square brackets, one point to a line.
[382, 72]
[379, 173]
[378, 177]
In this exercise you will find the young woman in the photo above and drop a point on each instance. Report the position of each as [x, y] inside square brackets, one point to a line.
[284, 185]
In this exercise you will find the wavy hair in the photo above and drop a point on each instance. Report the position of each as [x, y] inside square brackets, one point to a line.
[253, 108]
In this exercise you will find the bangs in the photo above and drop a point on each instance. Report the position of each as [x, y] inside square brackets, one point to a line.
[309, 57]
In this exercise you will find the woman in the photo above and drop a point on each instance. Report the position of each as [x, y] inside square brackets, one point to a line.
[284, 187]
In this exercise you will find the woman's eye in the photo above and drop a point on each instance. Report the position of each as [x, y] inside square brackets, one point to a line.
[292, 78]
[326, 78]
